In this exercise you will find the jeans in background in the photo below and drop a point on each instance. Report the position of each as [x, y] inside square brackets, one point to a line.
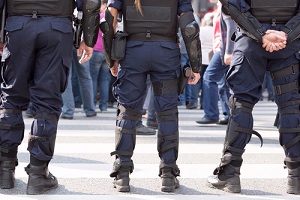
[85, 85]
[100, 74]
[214, 75]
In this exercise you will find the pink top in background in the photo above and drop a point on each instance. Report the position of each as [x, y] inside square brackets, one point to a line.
[99, 45]
[217, 30]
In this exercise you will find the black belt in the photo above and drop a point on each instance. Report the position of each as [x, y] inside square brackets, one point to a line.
[151, 37]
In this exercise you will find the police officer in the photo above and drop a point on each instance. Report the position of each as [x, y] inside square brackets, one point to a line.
[151, 48]
[37, 57]
[267, 39]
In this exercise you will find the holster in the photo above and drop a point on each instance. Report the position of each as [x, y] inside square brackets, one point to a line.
[106, 26]
[118, 45]
[185, 73]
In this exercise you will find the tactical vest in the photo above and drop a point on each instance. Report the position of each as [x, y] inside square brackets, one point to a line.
[60, 8]
[273, 11]
[158, 21]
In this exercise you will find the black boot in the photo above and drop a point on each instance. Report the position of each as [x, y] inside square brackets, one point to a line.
[121, 171]
[168, 174]
[121, 182]
[227, 176]
[293, 186]
[7, 172]
[40, 179]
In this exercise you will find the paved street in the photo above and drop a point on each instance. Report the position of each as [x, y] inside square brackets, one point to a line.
[82, 161]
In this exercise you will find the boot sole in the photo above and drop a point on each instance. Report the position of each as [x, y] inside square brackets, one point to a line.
[7, 184]
[122, 188]
[169, 188]
[293, 190]
[33, 190]
[227, 188]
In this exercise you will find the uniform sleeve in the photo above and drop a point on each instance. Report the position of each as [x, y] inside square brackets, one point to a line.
[184, 6]
[292, 27]
[241, 5]
[1, 4]
[117, 4]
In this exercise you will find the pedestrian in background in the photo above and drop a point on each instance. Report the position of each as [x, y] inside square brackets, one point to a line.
[84, 80]
[214, 83]
[99, 70]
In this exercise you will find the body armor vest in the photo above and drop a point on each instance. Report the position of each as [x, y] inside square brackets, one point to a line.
[158, 21]
[60, 8]
[273, 11]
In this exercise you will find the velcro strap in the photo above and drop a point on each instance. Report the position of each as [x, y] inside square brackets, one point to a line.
[118, 130]
[39, 140]
[167, 147]
[46, 116]
[249, 131]
[244, 107]
[167, 112]
[168, 137]
[128, 114]
[11, 127]
[289, 130]
[281, 89]
[291, 143]
[288, 159]
[165, 87]
[289, 111]
[121, 153]
[230, 148]
[289, 103]
[11, 111]
[292, 69]
[168, 115]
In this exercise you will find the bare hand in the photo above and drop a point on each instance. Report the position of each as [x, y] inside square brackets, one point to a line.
[1, 48]
[194, 78]
[114, 69]
[274, 40]
[85, 52]
[227, 59]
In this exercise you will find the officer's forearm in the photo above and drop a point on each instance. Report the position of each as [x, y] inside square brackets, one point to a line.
[114, 12]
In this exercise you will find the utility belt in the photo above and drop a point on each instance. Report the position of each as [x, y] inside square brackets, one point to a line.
[273, 20]
[36, 15]
[150, 37]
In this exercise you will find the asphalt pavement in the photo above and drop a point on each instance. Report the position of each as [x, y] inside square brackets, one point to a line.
[82, 161]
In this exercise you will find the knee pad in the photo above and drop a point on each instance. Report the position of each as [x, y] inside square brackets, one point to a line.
[125, 114]
[234, 130]
[167, 142]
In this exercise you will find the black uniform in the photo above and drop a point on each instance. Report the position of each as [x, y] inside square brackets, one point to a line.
[245, 77]
[36, 61]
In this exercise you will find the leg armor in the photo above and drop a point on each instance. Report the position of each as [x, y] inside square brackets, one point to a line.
[8, 152]
[167, 138]
[42, 138]
[226, 176]
[286, 87]
[125, 138]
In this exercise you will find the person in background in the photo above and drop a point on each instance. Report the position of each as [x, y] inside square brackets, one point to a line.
[84, 80]
[214, 85]
[99, 70]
